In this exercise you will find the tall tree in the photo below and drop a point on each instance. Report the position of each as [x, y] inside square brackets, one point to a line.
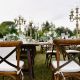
[62, 29]
[46, 26]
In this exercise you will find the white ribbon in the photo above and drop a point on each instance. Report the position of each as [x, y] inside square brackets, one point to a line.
[59, 72]
[21, 74]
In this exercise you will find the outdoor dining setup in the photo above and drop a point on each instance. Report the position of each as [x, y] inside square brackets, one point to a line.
[64, 66]
[39, 39]
[62, 56]
[61, 53]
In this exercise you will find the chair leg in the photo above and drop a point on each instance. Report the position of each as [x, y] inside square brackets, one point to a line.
[47, 59]
[79, 58]
[18, 77]
[50, 59]
[3, 77]
[53, 76]
[57, 77]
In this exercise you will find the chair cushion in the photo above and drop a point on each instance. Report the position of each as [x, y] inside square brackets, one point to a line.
[6, 67]
[70, 67]
[72, 51]
[50, 51]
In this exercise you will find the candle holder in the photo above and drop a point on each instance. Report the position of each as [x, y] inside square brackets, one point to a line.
[20, 21]
[75, 16]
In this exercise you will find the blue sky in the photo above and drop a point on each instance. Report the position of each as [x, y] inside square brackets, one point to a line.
[56, 11]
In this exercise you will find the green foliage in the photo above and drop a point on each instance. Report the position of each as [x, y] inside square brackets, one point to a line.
[13, 29]
[46, 26]
[40, 33]
[6, 27]
[74, 32]
[31, 30]
[1, 35]
[70, 32]
[60, 30]
[7, 23]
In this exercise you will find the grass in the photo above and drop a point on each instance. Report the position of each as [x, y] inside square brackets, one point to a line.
[41, 71]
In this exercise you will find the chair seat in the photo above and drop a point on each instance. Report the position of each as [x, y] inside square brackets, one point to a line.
[70, 67]
[6, 67]
[50, 51]
[72, 51]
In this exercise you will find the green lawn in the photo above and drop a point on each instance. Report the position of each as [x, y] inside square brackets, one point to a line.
[41, 71]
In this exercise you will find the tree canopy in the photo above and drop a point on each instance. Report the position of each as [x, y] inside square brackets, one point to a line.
[6, 27]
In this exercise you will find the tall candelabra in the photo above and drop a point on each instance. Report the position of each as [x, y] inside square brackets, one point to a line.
[30, 27]
[20, 21]
[75, 17]
[36, 32]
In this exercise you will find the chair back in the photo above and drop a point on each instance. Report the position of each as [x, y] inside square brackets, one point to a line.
[10, 53]
[60, 44]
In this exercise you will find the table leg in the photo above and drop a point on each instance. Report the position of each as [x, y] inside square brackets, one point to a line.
[30, 65]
